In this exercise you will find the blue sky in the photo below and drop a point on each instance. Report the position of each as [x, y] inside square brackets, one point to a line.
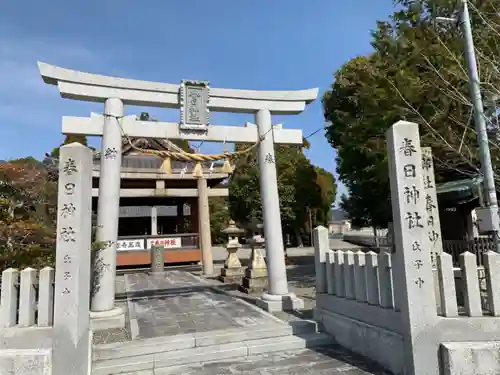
[259, 44]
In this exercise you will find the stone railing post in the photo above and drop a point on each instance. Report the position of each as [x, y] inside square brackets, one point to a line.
[9, 298]
[321, 246]
[72, 337]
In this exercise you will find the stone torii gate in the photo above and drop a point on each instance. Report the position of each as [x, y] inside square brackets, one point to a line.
[195, 99]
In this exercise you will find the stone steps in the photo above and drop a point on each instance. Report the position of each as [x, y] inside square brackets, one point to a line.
[204, 347]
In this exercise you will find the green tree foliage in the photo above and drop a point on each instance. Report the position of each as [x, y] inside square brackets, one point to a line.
[301, 187]
[415, 73]
[219, 219]
[328, 192]
[28, 212]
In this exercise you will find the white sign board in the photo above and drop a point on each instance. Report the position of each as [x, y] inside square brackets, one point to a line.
[132, 244]
[167, 243]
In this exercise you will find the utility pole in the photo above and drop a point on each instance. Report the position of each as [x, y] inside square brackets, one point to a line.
[310, 227]
[490, 194]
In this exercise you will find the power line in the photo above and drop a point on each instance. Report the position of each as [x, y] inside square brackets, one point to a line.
[317, 130]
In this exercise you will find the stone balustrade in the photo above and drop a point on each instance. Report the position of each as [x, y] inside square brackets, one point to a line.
[360, 276]
[27, 297]
[359, 301]
[368, 278]
[478, 284]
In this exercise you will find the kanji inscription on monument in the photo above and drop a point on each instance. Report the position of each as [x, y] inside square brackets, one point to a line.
[194, 97]
[431, 204]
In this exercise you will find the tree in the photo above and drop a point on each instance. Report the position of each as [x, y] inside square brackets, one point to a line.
[301, 187]
[28, 213]
[416, 73]
[219, 219]
[244, 189]
[328, 191]
[71, 138]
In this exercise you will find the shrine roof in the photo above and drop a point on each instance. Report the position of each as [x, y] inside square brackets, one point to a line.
[128, 145]
[459, 191]
[133, 161]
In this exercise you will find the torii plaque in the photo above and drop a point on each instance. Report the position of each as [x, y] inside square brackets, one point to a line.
[194, 97]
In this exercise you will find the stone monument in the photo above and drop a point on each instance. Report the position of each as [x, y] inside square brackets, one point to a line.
[157, 259]
[413, 277]
[232, 270]
[72, 337]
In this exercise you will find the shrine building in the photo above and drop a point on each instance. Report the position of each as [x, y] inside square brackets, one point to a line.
[157, 207]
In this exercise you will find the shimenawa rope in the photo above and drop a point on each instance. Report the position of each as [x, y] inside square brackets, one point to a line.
[182, 155]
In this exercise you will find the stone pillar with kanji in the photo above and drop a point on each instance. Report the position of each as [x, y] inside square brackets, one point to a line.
[413, 277]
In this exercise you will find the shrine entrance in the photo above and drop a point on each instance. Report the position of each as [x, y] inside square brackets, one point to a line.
[196, 100]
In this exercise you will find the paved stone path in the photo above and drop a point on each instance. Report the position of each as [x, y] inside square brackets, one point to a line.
[301, 277]
[179, 302]
[320, 361]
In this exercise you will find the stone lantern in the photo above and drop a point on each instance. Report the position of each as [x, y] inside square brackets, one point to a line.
[232, 270]
[255, 279]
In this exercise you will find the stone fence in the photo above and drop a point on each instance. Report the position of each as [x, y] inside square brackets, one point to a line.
[477, 245]
[27, 298]
[357, 303]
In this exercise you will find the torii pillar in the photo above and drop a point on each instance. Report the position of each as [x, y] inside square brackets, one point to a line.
[278, 297]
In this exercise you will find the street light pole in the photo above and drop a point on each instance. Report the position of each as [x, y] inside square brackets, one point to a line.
[310, 227]
[479, 117]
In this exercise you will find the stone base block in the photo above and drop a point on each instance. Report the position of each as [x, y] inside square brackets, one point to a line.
[231, 272]
[274, 303]
[229, 279]
[26, 361]
[470, 358]
[158, 274]
[230, 275]
[101, 320]
[253, 285]
[256, 273]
